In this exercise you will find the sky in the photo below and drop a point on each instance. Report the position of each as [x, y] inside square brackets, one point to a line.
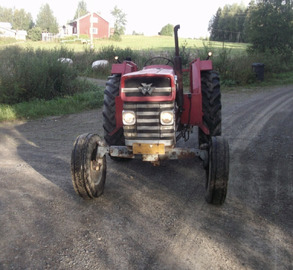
[143, 16]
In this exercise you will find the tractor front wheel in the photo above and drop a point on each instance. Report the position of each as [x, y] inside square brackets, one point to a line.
[87, 171]
[217, 171]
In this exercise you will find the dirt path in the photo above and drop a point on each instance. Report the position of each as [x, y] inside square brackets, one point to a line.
[151, 217]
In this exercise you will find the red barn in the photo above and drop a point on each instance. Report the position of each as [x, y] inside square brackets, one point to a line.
[83, 25]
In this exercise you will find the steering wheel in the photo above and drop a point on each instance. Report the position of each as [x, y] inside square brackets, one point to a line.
[149, 61]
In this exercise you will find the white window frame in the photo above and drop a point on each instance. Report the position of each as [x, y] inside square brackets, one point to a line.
[94, 30]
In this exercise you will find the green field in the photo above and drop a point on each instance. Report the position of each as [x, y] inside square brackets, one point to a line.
[138, 43]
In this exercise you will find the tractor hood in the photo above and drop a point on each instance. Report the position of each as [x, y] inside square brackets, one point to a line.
[153, 83]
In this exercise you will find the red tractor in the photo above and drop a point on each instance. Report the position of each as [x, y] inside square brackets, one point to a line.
[145, 113]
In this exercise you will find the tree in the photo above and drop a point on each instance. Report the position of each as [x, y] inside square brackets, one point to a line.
[276, 2]
[228, 24]
[81, 9]
[22, 20]
[35, 34]
[214, 29]
[19, 19]
[120, 22]
[269, 26]
[6, 15]
[167, 30]
[46, 20]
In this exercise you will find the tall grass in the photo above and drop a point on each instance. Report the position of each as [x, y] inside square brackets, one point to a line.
[91, 99]
[83, 60]
[26, 74]
[32, 74]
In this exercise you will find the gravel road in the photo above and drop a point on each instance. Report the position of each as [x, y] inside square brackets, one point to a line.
[151, 217]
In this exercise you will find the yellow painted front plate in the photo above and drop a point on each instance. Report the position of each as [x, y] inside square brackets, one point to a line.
[148, 149]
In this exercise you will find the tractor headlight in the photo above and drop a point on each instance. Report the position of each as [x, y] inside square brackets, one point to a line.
[167, 118]
[128, 118]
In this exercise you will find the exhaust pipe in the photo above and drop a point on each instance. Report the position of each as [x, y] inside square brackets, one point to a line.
[176, 28]
[178, 71]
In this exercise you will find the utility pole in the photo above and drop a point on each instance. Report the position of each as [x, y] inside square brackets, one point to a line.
[77, 24]
[92, 30]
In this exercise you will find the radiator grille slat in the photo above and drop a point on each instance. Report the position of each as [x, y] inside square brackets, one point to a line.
[148, 128]
[136, 92]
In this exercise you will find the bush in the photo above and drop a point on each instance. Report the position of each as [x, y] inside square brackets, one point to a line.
[116, 37]
[167, 30]
[109, 53]
[85, 59]
[236, 69]
[35, 34]
[233, 69]
[274, 63]
[26, 74]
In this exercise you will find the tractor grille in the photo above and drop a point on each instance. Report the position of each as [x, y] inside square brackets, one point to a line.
[160, 86]
[148, 128]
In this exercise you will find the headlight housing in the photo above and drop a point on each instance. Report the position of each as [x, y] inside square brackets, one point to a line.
[128, 118]
[167, 118]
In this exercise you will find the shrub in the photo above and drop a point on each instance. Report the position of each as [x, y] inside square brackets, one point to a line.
[85, 59]
[116, 37]
[35, 34]
[109, 53]
[274, 63]
[26, 74]
[167, 30]
[236, 69]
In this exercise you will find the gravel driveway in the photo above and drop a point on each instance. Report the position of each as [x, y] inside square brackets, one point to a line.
[151, 217]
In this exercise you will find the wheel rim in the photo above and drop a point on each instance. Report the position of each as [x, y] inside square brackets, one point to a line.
[96, 168]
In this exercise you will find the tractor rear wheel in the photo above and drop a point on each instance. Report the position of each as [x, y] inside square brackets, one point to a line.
[211, 106]
[217, 171]
[109, 112]
[88, 173]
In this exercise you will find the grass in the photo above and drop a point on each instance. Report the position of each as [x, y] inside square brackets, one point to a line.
[282, 78]
[137, 43]
[285, 78]
[59, 106]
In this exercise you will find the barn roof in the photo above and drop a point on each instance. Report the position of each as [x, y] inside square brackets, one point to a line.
[88, 14]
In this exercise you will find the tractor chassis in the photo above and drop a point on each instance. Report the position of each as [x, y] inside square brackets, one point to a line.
[172, 154]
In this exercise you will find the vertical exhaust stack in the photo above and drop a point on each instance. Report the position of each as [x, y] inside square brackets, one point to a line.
[178, 70]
